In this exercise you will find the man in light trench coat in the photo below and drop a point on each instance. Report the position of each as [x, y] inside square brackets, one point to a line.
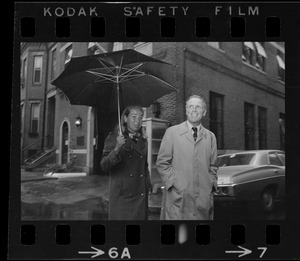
[187, 163]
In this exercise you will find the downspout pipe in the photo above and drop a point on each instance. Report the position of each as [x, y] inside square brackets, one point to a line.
[45, 98]
[184, 80]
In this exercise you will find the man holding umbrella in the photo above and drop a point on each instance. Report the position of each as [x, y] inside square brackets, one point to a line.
[125, 158]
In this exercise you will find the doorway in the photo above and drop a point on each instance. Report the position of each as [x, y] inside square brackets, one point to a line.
[51, 123]
[105, 122]
[65, 143]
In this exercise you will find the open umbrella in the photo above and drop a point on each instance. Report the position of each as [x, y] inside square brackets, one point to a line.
[115, 79]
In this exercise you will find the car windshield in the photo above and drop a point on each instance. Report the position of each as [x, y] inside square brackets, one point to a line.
[236, 159]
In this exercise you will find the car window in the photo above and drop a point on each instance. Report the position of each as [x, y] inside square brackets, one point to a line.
[274, 160]
[236, 159]
[281, 156]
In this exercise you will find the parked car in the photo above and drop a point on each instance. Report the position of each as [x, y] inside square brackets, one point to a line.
[252, 176]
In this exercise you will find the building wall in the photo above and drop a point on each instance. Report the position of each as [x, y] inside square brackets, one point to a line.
[202, 68]
[33, 93]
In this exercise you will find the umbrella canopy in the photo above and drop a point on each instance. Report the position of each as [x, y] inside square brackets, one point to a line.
[93, 80]
[115, 79]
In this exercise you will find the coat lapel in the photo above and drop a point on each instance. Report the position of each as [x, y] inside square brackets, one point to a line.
[184, 130]
[201, 134]
[140, 146]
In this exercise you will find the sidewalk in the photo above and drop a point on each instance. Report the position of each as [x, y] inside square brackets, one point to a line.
[33, 176]
[83, 198]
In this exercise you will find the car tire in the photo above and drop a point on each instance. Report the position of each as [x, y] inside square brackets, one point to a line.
[267, 201]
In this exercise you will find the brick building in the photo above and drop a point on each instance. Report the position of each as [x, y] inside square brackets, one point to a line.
[242, 83]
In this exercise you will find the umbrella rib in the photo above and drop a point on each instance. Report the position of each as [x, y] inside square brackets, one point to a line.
[128, 74]
[104, 76]
[106, 67]
[169, 85]
[134, 69]
[131, 77]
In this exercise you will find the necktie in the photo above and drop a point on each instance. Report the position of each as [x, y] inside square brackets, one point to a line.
[195, 133]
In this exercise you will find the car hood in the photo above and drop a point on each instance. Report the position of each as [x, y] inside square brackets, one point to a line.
[226, 174]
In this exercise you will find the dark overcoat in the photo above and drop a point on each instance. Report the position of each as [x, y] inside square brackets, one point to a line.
[189, 172]
[129, 179]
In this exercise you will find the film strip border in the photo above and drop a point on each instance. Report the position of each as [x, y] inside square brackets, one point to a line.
[65, 239]
[153, 22]
[133, 29]
[133, 240]
[167, 234]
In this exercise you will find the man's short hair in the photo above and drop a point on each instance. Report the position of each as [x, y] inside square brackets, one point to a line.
[197, 97]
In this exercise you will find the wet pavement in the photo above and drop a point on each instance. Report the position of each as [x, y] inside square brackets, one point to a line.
[75, 198]
[86, 198]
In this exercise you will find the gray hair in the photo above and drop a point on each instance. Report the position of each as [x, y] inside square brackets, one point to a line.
[197, 97]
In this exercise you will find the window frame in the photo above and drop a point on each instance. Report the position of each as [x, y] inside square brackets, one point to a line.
[67, 50]
[262, 127]
[217, 124]
[280, 69]
[118, 46]
[249, 136]
[216, 45]
[254, 55]
[32, 132]
[282, 130]
[53, 63]
[23, 72]
[35, 69]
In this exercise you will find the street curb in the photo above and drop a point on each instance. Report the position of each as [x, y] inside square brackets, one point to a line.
[36, 179]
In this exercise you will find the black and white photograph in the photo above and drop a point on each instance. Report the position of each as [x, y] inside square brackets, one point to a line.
[152, 131]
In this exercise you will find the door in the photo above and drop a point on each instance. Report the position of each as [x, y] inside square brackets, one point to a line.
[51, 122]
[105, 122]
[65, 143]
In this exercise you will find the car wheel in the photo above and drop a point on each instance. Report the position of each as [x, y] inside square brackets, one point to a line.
[267, 201]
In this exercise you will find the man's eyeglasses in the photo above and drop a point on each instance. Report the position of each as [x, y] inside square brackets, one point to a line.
[197, 108]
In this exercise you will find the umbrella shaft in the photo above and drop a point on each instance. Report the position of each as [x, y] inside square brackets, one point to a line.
[119, 112]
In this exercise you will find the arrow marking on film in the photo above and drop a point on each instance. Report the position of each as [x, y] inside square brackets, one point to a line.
[96, 253]
[243, 252]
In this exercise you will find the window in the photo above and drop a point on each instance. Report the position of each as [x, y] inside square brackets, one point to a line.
[281, 156]
[254, 54]
[22, 116]
[248, 55]
[280, 65]
[282, 130]
[117, 46]
[37, 69]
[95, 48]
[23, 72]
[53, 65]
[217, 117]
[34, 118]
[68, 54]
[236, 159]
[274, 160]
[249, 126]
[260, 56]
[217, 45]
[144, 48]
[262, 127]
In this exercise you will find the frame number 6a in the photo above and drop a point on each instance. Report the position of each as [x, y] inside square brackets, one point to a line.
[113, 253]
